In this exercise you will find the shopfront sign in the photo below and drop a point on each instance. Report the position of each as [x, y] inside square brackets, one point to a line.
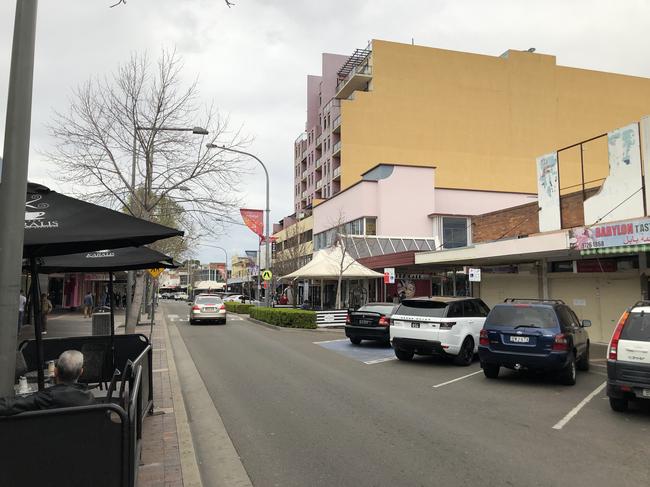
[389, 275]
[474, 275]
[632, 236]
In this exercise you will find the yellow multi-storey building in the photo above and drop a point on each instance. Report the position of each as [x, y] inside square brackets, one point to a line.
[480, 120]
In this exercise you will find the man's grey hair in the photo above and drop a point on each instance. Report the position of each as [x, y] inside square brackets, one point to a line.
[69, 366]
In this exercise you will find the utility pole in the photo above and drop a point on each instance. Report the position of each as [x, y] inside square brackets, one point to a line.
[13, 187]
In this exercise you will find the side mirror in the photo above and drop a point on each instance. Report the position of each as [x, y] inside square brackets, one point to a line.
[586, 323]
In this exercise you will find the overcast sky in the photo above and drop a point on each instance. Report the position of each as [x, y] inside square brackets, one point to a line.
[252, 59]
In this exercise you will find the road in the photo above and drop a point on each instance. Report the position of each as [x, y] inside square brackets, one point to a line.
[302, 413]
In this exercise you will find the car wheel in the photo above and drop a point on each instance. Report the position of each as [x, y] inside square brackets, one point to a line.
[491, 371]
[355, 341]
[403, 354]
[465, 355]
[192, 322]
[568, 374]
[618, 404]
[583, 363]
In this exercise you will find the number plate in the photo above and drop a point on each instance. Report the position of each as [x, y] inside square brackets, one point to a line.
[209, 310]
[415, 325]
[518, 339]
[364, 322]
[645, 392]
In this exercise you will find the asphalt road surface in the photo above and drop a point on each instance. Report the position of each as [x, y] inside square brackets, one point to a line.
[302, 413]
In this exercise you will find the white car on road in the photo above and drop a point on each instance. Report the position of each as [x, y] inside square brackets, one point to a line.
[446, 326]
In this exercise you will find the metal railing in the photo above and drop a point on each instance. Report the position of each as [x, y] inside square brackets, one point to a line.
[337, 172]
[337, 148]
[364, 69]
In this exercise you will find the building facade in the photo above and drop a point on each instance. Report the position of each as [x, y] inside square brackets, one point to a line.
[588, 248]
[480, 120]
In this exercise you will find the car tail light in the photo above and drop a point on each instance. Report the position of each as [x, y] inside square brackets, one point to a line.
[383, 321]
[613, 345]
[446, 325]
[196, 308]
[483, 338]
[348, 320]
[223, 306]
[560, 343]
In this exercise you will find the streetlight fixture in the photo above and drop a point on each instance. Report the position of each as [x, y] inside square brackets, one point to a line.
[267, 242]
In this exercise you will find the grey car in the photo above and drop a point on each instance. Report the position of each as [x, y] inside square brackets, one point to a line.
[206, 308]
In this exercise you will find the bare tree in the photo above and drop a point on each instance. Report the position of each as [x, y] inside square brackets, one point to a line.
[120, 142]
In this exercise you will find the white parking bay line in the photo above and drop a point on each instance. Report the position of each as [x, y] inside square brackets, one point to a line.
[380, 360]
[332, 341]
[457, 379]
[560, 424]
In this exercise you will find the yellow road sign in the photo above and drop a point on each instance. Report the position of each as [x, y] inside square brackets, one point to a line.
[155, 272]
[267, 274]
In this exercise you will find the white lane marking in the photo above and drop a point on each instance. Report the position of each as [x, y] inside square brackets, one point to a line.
[456, 380]
[380, 360]
[172, 317]
[332, 341]
[560, 424]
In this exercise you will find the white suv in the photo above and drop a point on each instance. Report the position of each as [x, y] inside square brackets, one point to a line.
[628, 358]
[438, 326]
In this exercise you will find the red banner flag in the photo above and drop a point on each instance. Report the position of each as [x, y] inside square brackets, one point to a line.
[254, 219]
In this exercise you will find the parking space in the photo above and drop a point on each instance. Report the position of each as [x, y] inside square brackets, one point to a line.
[367, 352]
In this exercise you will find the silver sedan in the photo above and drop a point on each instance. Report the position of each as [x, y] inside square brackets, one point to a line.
[207, 307]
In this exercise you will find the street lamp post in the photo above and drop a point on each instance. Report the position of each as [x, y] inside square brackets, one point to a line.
[267, 243]
[130, 277]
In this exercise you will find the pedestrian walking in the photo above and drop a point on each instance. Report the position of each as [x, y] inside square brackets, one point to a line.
[89, 302]
[46, 309]
[21, 309]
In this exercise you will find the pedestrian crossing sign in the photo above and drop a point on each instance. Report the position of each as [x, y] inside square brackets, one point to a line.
[155, 272]
[267, 274]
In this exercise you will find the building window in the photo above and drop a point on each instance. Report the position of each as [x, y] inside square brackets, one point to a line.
[371, 226]
[454, 232]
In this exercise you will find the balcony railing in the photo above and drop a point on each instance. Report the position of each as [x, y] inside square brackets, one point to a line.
[319, 141]
[336, 150]
[304, 175]
[319, 184]
[337, 172]
[319, 162]
[357, 78]
[333, 103]
[336, 124]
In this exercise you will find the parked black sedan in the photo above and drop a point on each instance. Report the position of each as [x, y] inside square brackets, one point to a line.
[370, 322]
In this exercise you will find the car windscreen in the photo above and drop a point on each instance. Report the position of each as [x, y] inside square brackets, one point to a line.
[637, 328]
[207, 300]
[433, 309]
[521, 315]
[384, 309]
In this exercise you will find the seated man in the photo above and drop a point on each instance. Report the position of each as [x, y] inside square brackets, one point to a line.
[66, 393]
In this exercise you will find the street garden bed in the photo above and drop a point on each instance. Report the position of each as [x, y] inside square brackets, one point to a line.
[285, 317]
[239, 308]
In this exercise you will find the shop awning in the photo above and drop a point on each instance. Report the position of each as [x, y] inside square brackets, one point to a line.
[510, 251]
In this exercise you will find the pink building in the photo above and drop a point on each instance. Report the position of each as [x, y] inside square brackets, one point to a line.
[396, 211]
[317, 150]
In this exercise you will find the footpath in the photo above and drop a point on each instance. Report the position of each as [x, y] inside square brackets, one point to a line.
[168, 458]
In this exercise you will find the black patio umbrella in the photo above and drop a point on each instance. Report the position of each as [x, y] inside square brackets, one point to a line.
[107, 260]
[56, 224]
